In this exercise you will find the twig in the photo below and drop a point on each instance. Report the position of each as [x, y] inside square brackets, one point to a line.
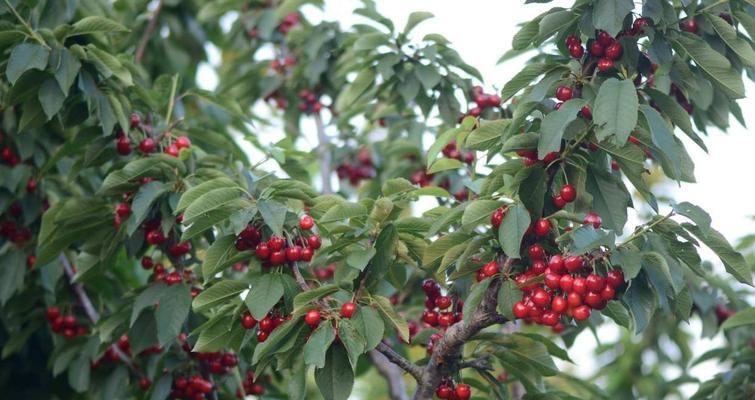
[480, 364]
[392, 374]
[408, 366]
[325, 156]
[26, 25]
[90, 311]
[151, 25]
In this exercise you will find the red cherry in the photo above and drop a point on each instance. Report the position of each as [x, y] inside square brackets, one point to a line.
[173, 278]
[69, 321]
[634, 140]
[536, 252]
[247, 321]
[31, 185]
[639, 23]
[147, 262]
[266, 324]
[615, 278]
[614, 51]
[552, 280]
[172, 150]
[348, 309]
[576, 50]
[262, 251]
[123, 210]
[605, 64]
[593, 219]
[229, 360]
[566, 283]
[550, 318]
[537, 267]
[574, 299]
[541, 298]
[585, 112]
[155, 237]
[147, 145]
[443, 302]
[689, 25]
[527, 153]
[306, 222]
[183, 142]
[608, 293]
[277, 258]
[564, 93]
[573, 263]
[52, 313]
[136, 120]
[558, 105]
[430, 317]
[293, 254]
[306, 254]
[490, 269]
[559, 304]
[595, 283]
[312, 318]
[572, 40]
[604, 38]
[123, 146]
[568, 193]
[559, 202]
[276, 243]
[497, 218]
[556, 264]
[581, 313]
[262, 336]
[431, 288]
[596, 49]
[144, 384]
[520, 310]
[314, 242]
[579, 286]
[593, 299]
[463, 392]
[444, 392]
[550, 157]
[542, 227]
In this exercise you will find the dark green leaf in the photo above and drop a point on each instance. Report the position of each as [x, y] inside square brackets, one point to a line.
[264, 294]
[615, 111]
[336, 379]
[512, 229]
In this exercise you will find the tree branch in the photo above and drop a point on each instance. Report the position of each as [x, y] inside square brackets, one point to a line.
[151, 25]
[324, 155]
[393, 375]
[413, 369]
[91, 312]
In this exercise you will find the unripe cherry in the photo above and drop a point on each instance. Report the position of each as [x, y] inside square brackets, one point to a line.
[348, 309]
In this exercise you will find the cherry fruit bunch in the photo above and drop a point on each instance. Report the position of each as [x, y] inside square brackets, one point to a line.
[64, 325]
[147, 142]
[357, 170]
[277, 251]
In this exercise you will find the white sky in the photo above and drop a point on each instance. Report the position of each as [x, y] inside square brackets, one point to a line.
[481, 31]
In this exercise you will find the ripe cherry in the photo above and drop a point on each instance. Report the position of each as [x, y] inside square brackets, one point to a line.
[123, 210]
[574, 299]
[147, 145]
[443, 302]
[520, 310]
[593, 219]
[144, 384]
[568, 193]
[275, 243]
[608, 293]
[552, 280]
[314, 242]
[312, 318]
[147, 262]
[536, 252]
[595, 283]
[541, 298]
[614, 51]
[559, 202]
[155, 237]
[605, 64]
[566, 282]
[136, 120]
[579, 286]
[277, 258]
[183, 142]
[172, 150]
[597, 49]
[573, 263]
[293, 253]
[556, 264]
[542, 227]
[550, 157]
[306, 222]
[593, 299]
[431, 288]
[559, 304]
[689, 25]
[444, 392]
[564, 93]
[266, 324]
[550, 318]
[69, 321]
[537, 267]
[430, 317]
[581, 313]
[490, 269]
[615, 278]
[585, 112]
[262, 251]
[576, 50]
[306, 254]
[604, 38]
[463, 391]
[348, 309]
[123, 146]
[247, 321]
[496, 218]
[572, 40]
[52, 313]
[173, 278]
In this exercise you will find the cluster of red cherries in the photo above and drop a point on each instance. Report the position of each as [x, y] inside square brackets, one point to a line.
[451, 151]
[483, 101]
[275, 251]
[219, 362]
[324, 273]
[124, 345]
[64, 325]
[447, 390]
[281, 65]
[194, 387]
[309, 102]
[16, 233]
[251, 385]
[266, 325]
[438, 310]
[359, 170]
[148, 145]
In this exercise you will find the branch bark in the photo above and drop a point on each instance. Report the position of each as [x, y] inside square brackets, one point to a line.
[393, 375]
[413, 369]
[151, 25]
[324, 155]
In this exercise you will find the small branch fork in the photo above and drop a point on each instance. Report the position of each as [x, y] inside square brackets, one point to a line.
[147, 35]
[446, 358]
[91, 312]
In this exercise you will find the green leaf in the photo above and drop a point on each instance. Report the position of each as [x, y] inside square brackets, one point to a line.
[676, 113]
[67, 70]
[436, 250]
[586, 239]
[617, 312]
[523, 79]
[616, 110]
[532, 189]
[218, 293]
[415, 19]
[175, 303]
[741, 318]
[475, 297]
[50, 97]
[733, 261]
[343, 211]
[523, 141]
[318, 344]
[478, 212]
[371, 40]
[512, 229]
[728, 34]
[369, 325]
[715, 65]
[195, 192]
[264, 294]
[526, 34]
[629, 261]
[440, 142]
[662, 137]
[214, 335]
[609, 198]
[508, 295]
[304, 298]
[554, 124]
[487, 135]
[95, 24]
[642, 302]
[694, 213]
[24, 57]
[336, 379]
[359, 258]
[154, 165]
[162, 387]
[396, 186]
[217, 254]
[552, 23]
[142, 203]
[352, 340]
[147, 298]
[355, 90]
[389, 314]
[444, 164]
[211, 201]
[428, 76]
[274, 214]
[385, 250]
[280, 336]
[531, 352]
[79, 374]
[608, 15]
